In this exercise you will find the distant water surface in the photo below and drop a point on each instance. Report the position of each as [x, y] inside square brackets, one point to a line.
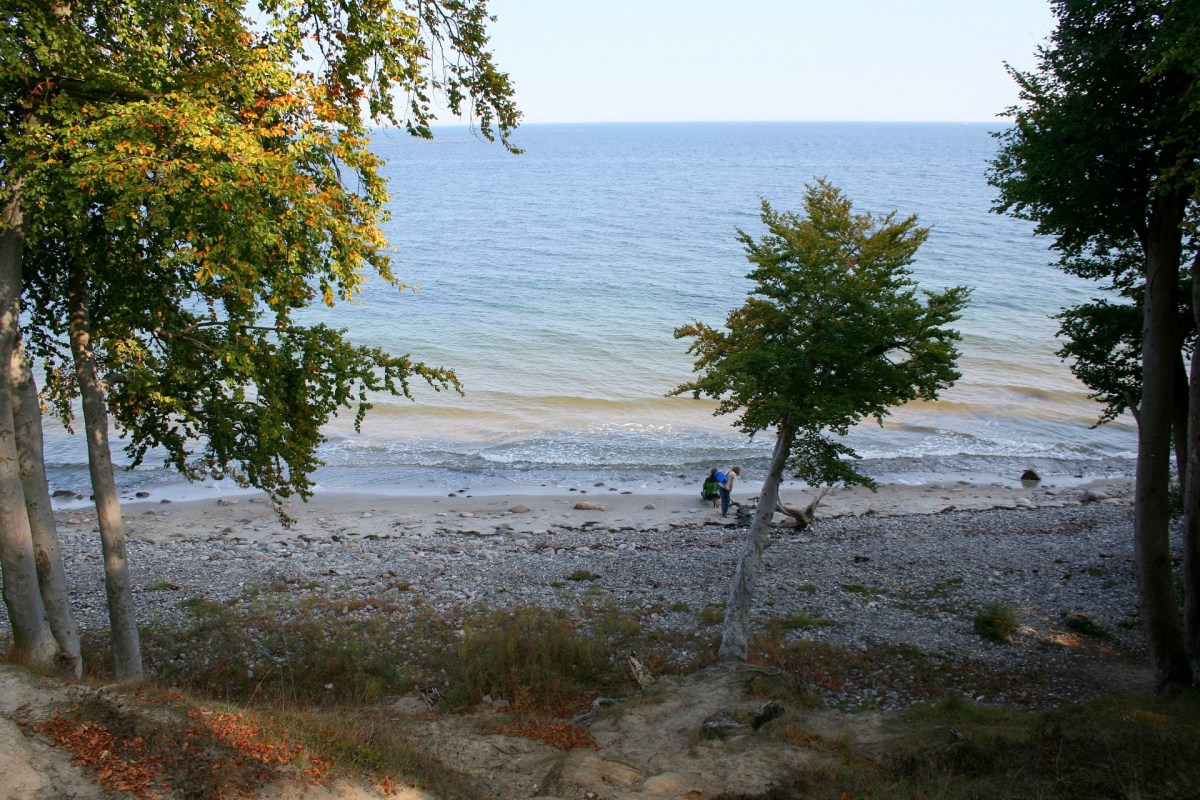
[551, 283]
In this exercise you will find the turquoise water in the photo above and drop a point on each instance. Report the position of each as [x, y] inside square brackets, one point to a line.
[551, 283]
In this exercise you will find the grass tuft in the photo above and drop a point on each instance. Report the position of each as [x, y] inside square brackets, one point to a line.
[1082, 624]
[583, 575]
[996, 622]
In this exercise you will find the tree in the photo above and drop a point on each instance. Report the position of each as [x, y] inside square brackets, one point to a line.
[185, 178]
[1121, 203]
[33, 641]
[834, 332]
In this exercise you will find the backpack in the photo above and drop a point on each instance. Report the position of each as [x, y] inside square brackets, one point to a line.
[720, 477]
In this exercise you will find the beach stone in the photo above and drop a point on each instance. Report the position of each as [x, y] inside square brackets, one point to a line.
[520, 509]
[587, 505]
[723, 726]
[674, 785]
[767, 712]
[227, 501]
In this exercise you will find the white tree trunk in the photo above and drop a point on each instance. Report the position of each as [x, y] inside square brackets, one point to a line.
[33, 642]
[122, 615]
[735, 633]
[1191, 503]
[52, 578]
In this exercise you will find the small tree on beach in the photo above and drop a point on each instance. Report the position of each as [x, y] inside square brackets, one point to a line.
[834, 331]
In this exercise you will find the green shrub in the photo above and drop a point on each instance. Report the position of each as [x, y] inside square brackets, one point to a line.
[1082, 624]
[532, 657]
[796, 621]
[583, 575]
[996, 622]
[712, 613]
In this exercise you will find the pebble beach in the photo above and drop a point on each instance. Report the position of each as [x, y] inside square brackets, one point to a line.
[905, 565]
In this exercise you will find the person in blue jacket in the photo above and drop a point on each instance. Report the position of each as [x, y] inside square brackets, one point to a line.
[726, 479]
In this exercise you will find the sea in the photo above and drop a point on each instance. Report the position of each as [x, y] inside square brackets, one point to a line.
[551, 282]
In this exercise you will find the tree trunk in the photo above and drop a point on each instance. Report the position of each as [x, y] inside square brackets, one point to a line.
[1182, 418]
[52, 578]
[1151, 526]
[122, 616]
[33, 641]
[735, 633]
[1191, 503]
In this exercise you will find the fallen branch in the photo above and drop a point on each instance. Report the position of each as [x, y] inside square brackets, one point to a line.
[803, 517]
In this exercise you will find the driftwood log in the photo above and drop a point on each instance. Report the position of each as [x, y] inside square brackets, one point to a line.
[803, 517]
[640, 673]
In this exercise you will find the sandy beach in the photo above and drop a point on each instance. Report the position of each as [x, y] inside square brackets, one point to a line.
[154, 519]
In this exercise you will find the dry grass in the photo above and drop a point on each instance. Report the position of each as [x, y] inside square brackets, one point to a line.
[320, 675]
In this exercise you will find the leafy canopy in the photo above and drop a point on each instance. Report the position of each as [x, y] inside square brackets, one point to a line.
[1104, 155]
[198, 171]
[834, 331]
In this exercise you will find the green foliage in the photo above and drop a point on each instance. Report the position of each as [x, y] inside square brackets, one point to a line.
[995, 621]
[712, 613]
[1128, 69]
[191, 175]
[834, 332]
[1105, 69]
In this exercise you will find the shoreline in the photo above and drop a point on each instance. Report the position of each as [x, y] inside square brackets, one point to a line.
[978, 474]
[157, 517]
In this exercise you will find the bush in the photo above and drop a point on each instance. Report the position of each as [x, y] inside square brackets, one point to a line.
[583, 575]
[1081, 623]
[996, 622]
[532, 657]
[712, 613]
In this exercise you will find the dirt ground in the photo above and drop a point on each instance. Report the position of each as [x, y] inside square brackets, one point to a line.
[651, 745]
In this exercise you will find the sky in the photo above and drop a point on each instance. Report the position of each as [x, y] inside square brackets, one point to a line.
[701, 60]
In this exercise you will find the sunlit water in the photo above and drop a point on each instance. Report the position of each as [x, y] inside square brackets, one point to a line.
[551, 283]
